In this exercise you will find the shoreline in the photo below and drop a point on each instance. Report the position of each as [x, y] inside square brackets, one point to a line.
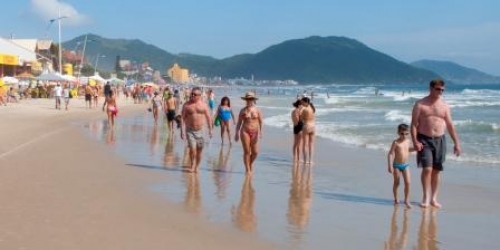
[347, 202]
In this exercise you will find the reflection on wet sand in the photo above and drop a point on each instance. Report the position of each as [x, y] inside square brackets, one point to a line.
[299, 201]
[427, 232]
[153, 140]
[192, 199]
[170, 158]
[110, 137]
[244, 215]
[396, 241]
[222, 173]
[186, 161]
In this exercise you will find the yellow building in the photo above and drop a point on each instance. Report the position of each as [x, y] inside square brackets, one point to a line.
[178, 74]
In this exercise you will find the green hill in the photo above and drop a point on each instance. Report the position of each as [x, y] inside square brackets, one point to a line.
[135, 51]
[325, 60]
[309, 60]
[456, 73]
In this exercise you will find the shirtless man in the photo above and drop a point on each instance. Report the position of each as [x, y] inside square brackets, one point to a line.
[431, 117]
[89, 92]
[308, 130]
[170, 108]
[192, 115]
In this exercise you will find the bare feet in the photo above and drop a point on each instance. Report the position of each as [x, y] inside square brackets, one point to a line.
[424, 205]
[436, 204]
[408, 205]
[396, 202]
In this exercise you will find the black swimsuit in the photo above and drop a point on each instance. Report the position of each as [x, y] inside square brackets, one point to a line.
[297, 128]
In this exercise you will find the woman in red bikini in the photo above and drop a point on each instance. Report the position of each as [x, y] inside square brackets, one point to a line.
[249, 128]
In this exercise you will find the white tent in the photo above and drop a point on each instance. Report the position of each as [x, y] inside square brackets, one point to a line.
[52, 77]
[9, 80]
[98, 78]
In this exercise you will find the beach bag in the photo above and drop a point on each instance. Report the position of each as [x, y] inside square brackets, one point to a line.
[217, 121]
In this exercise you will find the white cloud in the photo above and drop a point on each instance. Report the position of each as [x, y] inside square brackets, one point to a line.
[49, 9]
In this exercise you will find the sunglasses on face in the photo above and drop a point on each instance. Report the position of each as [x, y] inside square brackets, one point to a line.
[195, 94]
[404, 133]
[439, 89]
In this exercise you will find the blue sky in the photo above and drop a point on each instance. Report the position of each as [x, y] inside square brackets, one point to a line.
[463, 31]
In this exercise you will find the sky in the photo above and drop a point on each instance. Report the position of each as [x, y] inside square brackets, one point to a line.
[462, 31]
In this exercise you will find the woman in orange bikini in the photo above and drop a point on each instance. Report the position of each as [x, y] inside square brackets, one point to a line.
[249, 128]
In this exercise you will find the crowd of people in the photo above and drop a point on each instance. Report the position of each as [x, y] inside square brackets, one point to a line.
[196, 112]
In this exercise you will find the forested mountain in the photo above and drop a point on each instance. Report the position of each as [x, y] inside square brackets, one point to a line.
[309, 60]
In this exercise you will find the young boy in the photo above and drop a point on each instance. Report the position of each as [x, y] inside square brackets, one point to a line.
[397, 162]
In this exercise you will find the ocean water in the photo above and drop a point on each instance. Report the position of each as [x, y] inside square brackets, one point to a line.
[354, 115]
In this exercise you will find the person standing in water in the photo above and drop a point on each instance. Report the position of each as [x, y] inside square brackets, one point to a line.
[307, 116]
[297, 130]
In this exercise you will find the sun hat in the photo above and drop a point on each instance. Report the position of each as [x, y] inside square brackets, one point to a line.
[249, 95]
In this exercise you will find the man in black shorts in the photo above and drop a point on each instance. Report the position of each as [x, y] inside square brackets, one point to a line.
[431, 117]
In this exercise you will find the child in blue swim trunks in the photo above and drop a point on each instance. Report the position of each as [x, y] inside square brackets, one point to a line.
[397, 163]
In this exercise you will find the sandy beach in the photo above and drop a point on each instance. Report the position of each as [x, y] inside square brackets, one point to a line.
[67, 182]
[62, 190]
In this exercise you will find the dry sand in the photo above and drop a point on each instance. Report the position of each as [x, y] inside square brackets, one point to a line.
[62, 190]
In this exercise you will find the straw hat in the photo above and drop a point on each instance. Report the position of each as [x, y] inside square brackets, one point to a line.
[249, 95]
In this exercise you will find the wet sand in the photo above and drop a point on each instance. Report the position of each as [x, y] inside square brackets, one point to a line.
[125, 189]
[62, 190]
[343, 201]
